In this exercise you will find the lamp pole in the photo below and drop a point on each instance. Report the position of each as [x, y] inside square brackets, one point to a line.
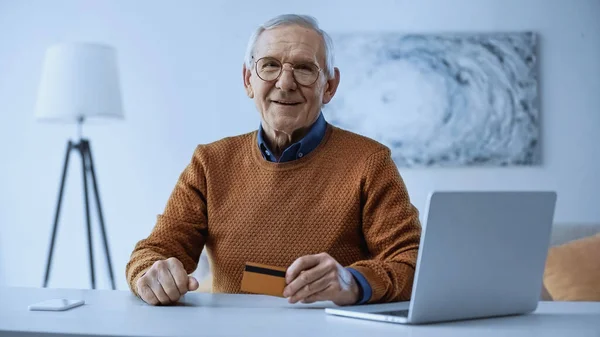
[84, 149]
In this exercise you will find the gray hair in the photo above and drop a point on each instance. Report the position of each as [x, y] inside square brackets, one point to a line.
[293, 19]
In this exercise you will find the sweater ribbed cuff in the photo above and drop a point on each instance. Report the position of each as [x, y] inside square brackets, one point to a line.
[382, 287]
[378, 286]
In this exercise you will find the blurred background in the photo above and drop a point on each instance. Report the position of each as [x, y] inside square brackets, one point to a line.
[180, 67]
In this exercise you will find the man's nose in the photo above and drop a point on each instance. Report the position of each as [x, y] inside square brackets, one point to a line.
[286, 81]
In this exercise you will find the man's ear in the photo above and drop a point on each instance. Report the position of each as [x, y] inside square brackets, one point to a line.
[246, 78]
[331, 86]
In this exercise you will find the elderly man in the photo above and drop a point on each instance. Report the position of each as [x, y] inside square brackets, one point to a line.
[327, 204]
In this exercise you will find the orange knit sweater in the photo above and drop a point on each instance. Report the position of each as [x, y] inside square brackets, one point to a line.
[345, 198]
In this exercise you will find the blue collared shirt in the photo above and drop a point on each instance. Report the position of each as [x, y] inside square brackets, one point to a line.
[313, 138]
[299, 149]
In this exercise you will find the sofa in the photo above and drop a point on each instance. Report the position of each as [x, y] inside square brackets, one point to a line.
[572, 271]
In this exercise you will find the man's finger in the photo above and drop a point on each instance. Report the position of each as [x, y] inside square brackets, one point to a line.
[311, 289]
[168, 284]
[180, 277]
[192, 283]
[159, 292]
[301, 263]
[305, 278]
[147, 294]
[323, 295]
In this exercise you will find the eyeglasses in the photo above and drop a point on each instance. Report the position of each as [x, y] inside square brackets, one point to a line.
[269, 69]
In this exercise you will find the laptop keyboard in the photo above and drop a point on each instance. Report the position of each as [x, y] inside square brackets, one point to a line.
[401, 313]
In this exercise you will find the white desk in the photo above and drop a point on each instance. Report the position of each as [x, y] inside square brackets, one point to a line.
[120, 313]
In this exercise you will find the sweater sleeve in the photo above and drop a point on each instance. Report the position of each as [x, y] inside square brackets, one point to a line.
[392, 231]
[181, 230]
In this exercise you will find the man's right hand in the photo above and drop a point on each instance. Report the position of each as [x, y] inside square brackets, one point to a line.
[165, 282]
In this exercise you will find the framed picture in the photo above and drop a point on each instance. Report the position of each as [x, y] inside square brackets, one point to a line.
[441, 99]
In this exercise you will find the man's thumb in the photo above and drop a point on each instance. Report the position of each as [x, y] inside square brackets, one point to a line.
[192, 283]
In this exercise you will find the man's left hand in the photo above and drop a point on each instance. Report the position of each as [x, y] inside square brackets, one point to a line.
[320, 277]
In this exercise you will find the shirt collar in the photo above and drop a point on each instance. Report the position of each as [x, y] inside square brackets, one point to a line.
[304, 146]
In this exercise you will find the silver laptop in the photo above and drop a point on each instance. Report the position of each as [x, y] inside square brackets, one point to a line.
[482, 254]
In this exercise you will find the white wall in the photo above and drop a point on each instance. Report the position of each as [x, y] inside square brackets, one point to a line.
[181, 74]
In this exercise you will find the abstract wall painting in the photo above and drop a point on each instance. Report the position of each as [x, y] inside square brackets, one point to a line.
[441, 100]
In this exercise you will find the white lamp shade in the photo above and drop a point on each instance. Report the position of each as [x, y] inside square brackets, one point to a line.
[79, 80]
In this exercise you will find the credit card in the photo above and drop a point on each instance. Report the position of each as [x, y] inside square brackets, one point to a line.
[263, 279]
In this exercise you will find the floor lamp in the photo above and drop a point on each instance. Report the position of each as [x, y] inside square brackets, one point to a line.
[80, 82]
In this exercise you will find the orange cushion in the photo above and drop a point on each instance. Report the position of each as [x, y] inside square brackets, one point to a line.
[573, 270]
